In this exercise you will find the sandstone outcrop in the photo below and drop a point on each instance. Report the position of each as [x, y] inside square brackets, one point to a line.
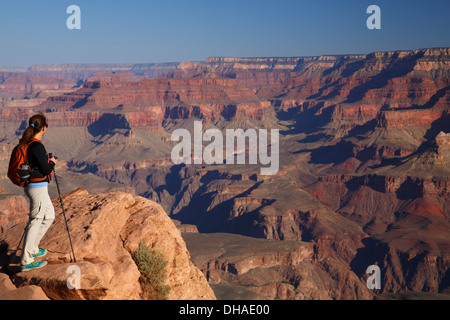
[105, 230]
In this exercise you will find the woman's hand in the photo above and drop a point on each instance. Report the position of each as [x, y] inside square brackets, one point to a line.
[54, 160]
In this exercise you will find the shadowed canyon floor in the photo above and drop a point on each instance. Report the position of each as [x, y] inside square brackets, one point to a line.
[364, 164]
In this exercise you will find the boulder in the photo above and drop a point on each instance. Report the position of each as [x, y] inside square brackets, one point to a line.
[8, 291]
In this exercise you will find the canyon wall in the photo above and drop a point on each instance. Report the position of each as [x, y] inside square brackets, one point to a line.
[364, 161]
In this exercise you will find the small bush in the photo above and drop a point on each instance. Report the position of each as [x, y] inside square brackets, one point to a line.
[152, 266]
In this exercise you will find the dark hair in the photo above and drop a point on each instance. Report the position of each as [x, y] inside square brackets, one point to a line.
[35, 125]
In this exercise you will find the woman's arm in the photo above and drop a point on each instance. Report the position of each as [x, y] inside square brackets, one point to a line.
[39, 156]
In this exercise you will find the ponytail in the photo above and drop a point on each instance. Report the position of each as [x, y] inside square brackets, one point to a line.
[35, 125]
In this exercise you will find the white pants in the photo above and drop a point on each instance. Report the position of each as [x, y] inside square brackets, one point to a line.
[42, 214]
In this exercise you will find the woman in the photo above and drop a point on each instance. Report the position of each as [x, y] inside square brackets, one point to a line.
[42, 212]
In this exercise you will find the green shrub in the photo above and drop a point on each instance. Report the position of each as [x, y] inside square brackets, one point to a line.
[152, 266]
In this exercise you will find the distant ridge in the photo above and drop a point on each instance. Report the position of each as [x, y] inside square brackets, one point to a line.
[13, 69]
[106, 67]
[134, 67]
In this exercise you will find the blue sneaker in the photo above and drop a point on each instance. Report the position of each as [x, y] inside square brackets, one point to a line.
[33, 266]
[41, 253]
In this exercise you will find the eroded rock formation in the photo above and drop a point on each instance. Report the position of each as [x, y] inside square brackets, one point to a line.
[105, 230]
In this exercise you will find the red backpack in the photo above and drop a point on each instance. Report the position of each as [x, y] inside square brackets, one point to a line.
[19, 171]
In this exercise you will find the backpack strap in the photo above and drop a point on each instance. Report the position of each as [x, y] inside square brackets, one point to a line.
[23, 155]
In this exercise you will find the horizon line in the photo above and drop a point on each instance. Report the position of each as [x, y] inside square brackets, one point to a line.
[28, 67]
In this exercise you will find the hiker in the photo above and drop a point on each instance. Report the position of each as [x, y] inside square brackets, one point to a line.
[42, 212]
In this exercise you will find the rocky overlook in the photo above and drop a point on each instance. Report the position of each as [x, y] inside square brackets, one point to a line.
[106, 229]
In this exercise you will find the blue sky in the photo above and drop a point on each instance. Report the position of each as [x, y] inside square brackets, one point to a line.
[139, 31]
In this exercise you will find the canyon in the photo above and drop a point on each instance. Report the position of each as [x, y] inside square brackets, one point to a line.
[363, 177]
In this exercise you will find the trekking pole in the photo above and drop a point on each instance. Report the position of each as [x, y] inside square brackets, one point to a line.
[64, 212]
